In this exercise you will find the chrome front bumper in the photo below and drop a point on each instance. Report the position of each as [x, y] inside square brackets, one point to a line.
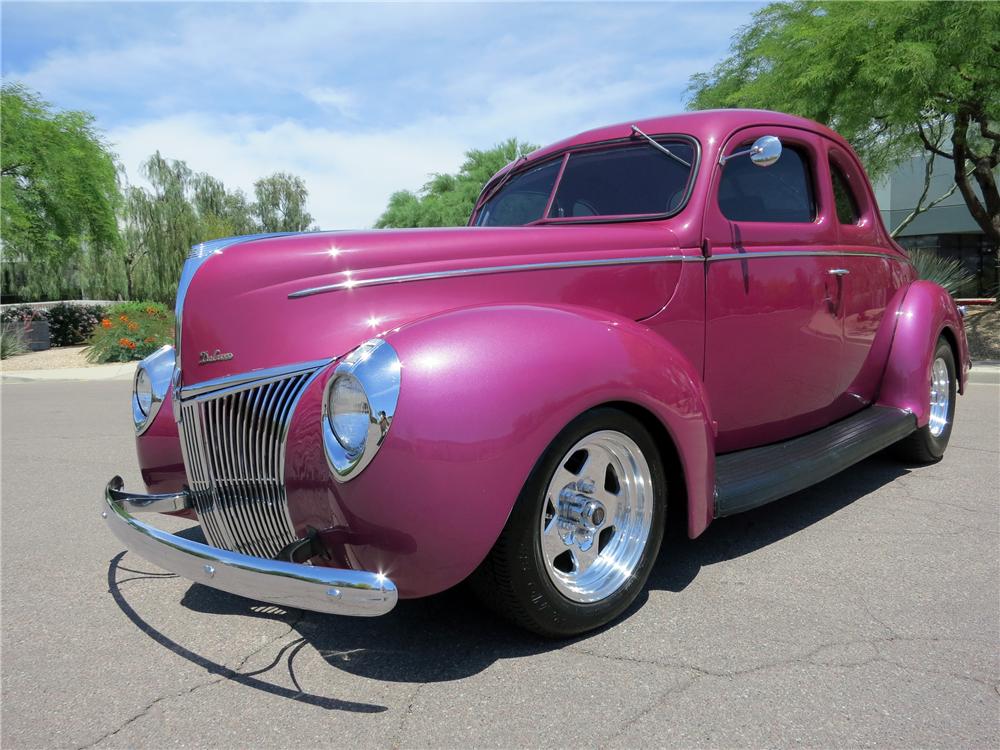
[339, 592]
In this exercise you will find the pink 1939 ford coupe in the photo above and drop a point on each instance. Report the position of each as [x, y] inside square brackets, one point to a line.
[701, 311]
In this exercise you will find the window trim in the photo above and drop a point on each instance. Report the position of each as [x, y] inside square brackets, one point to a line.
[610, 144]
[809, 162]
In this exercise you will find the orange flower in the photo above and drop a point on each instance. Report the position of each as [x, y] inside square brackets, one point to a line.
[150, 339]
[133, 326]
[127, 343]
[123, 318]
[106, 323]
[151, 311]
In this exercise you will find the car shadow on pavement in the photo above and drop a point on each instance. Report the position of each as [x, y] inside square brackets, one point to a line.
[727, 538]
[450, 636]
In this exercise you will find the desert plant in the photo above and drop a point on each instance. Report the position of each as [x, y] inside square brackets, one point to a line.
[131, 330]
[946, 272]
[71, 324]
[11, 342]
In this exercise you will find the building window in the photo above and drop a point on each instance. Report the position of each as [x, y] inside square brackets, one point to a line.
[972, 250]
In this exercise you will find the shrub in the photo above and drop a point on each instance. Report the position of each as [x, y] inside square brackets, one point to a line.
[131, 330]
[947, 272]
[72, 324]
[22, 315]
[11, 342]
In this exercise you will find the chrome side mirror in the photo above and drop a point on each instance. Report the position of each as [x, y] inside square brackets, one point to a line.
[764, 152]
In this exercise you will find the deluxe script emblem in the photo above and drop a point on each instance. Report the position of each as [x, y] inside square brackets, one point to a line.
[217, 356]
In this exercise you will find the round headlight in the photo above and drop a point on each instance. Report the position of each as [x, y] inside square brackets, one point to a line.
[143, 391]
[150, 386]
[349, 414]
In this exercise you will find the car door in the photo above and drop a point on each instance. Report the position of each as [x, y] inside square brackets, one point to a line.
[774, 317]
[869, 282]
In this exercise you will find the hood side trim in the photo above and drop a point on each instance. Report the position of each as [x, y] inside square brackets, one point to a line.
[483, 270]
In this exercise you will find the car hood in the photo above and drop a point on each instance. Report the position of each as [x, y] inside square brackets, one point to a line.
[298, 298]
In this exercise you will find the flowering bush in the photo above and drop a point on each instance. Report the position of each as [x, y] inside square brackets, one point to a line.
[131, 330]
[73, 324]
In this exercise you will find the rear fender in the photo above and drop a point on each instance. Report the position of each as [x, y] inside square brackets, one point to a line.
[926, 313]
[484, 391]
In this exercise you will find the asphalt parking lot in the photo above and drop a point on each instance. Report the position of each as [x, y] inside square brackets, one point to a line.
[864, 611]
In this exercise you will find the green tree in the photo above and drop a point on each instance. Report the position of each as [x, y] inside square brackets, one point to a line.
[59, 196]
[182, 208]
[447, 200]
[894, 78]
[280, 204]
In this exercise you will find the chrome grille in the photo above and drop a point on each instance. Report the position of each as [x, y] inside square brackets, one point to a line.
[233, 433]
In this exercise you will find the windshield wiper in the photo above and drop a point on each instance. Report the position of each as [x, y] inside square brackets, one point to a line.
[660, 147]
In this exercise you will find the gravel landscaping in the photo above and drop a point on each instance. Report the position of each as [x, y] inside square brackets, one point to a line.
[50, 359]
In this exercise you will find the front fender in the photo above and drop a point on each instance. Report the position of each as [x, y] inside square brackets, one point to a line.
[483, 393]
[927, 312]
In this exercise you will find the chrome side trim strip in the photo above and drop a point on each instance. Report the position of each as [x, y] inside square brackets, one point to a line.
[311, 587]
[805, 253]
[482, 270]
[234, 383]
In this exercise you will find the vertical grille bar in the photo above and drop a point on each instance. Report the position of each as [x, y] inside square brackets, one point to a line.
[233, 441]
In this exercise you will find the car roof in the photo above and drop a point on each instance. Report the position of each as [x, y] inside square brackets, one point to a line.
[702, 124]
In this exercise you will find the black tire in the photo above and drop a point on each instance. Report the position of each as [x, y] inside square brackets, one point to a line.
[922, 446]
[513, 579]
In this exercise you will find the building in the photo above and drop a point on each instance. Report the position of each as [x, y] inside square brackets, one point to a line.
[947, 229]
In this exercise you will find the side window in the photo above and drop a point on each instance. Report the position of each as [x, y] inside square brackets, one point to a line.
[781, 192]
[522, 200]
[843, 196]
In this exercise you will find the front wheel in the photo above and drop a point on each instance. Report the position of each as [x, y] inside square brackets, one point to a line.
[585, 531]
[927, 444]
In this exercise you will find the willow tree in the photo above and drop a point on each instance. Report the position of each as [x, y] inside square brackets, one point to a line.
[280, 204]
[59, 197]
[447, 200]
[894, 78]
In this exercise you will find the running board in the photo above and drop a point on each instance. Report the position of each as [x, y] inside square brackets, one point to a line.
[756, 476]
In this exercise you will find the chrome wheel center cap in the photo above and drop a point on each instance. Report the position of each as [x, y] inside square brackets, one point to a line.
[580, 515]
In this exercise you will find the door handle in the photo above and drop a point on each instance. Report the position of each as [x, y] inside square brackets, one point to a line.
[838, 272]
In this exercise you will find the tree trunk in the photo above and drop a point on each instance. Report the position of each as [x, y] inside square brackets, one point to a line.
[988, 216]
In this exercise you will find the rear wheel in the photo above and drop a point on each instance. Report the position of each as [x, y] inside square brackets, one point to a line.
[585, 531]
[927, 444]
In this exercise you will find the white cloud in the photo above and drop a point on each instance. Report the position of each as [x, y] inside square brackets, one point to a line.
[350, 175]
[364, 100]
[340, 100]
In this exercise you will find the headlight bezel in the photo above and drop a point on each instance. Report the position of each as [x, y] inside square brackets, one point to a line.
[158, 369]
[376, 368]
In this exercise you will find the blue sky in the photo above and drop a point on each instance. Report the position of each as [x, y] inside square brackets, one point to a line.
[359, 99]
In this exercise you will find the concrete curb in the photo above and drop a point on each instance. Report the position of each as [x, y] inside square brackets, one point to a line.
[121, 371]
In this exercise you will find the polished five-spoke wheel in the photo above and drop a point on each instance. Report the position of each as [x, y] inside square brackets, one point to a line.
[585, 531]
[597, 515]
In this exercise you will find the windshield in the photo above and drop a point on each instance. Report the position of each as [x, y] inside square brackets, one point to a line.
[618, 181]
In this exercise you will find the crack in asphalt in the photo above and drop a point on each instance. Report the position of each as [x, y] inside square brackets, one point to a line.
[397, 738]
[805, 659]
[194, 688]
